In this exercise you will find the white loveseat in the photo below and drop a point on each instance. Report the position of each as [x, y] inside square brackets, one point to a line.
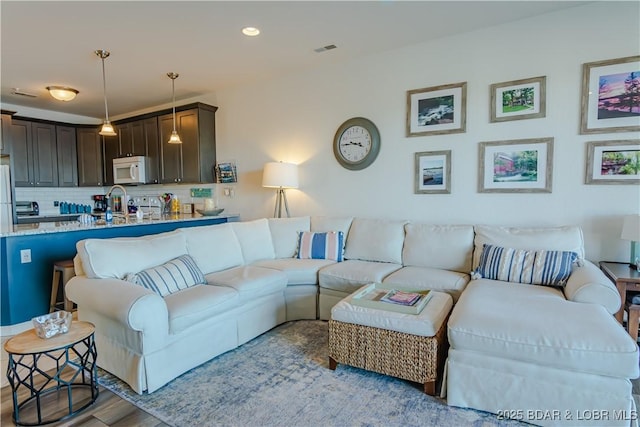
[255, 282]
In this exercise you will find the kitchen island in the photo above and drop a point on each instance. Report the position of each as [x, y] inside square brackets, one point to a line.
[25, 288]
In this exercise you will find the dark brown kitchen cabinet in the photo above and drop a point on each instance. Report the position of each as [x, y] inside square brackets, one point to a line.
[90, 169]
[132, 139]
[110, 151]
[34, 154]
[67, 156]
[152, 144]
[5, 137]
[192, 161]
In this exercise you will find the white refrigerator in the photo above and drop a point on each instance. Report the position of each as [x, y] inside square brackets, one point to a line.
[6, 206]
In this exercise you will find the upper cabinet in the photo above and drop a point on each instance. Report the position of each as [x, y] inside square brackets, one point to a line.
[194, 160]
[90, 166]
[67, 156]
[139, 138]
[34, 154]
[5, 128]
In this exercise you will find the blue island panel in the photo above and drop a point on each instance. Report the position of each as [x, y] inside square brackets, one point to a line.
[25, 289]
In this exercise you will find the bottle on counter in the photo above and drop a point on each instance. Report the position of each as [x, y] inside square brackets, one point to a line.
[108, 216]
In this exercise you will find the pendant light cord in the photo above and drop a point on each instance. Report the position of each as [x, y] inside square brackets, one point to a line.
[104, 87]
[173, 91]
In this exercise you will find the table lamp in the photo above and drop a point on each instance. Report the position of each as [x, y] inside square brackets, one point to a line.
[631, 232]
[280, 175]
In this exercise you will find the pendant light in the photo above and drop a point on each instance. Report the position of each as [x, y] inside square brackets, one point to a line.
[175, 138]
[107, 128]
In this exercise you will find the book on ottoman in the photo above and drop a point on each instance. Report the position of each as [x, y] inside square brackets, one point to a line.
[379, 296]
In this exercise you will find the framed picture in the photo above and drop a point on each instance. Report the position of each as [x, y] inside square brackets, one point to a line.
[519, 99]
[516, 166]
[437, 110]
[611, 96]
[433, 172]
[613, 162]
[226, 172]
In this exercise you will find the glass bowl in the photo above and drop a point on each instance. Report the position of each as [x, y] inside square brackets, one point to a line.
[52, 324]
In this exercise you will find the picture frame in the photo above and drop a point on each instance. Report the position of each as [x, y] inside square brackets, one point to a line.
[518, 99]
[433, 172]
[516, 166]
[437, 110]
[613, 162]
[226, 172]
[610, 98]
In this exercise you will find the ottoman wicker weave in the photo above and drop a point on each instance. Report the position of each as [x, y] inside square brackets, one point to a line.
[407, 346]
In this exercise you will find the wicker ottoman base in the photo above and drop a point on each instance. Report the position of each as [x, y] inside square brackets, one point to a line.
[401, 355]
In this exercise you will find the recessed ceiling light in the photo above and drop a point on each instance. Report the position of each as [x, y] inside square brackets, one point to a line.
[250, 31]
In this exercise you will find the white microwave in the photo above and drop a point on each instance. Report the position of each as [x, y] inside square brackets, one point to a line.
[129, 170]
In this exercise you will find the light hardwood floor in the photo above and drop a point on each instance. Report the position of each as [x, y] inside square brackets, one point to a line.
[108, 410]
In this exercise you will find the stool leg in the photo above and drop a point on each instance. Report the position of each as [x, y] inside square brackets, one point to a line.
[66, 276]
[632, 323]
[54, 290]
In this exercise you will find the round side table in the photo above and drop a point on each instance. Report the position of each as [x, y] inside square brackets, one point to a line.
[42, 395]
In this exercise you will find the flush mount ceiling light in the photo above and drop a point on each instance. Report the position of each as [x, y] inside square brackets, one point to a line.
[250, 31]
[107, 128]
[62, 93]
[175, 138]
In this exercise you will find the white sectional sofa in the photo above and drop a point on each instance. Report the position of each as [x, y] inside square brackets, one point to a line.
[253, 281]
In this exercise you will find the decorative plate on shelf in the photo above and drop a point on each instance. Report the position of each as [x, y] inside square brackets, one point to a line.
[209, 213]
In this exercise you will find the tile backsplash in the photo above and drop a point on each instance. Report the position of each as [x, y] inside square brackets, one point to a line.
[45, 196]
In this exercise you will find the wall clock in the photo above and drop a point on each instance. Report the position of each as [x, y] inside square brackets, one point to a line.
[357, 143]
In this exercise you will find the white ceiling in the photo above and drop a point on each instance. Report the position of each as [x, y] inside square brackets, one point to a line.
[53, 43]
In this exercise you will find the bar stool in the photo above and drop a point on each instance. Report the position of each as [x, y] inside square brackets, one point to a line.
[61, 270]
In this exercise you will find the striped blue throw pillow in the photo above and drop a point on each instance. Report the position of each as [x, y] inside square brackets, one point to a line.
[329, 245]
[549, 268]
[175, 275]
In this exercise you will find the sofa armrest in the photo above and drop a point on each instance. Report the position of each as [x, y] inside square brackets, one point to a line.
[588, 284]
[134, 307]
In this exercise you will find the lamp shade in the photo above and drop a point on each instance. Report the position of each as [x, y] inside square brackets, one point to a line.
[631, 228]
[280, 175]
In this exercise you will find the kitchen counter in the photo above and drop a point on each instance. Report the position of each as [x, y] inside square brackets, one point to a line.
[70, 226]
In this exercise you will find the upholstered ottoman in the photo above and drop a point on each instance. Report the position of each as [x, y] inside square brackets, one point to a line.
[408, 346]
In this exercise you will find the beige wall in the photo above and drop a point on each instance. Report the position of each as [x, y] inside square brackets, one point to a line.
[295, 117]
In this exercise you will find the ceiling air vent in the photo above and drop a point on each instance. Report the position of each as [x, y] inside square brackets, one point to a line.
[325, 48]
[16, 91]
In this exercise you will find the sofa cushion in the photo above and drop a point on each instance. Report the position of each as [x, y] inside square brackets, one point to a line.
[566, 238]
[549, 268]
[449, 247]
[420, 278]
[255, 240]
[327, 245]
[284, 234]
[535, 324]
[213, 247]
[298, 271]
[173, 276]
[350, 275]
[331, 223]
[115, 258]
[375, 240]
[198, 303]
[250, 281]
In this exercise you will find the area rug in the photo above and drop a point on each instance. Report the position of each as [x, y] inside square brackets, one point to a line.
[282, 378]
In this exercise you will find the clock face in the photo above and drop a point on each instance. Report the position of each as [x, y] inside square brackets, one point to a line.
[356, 143]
